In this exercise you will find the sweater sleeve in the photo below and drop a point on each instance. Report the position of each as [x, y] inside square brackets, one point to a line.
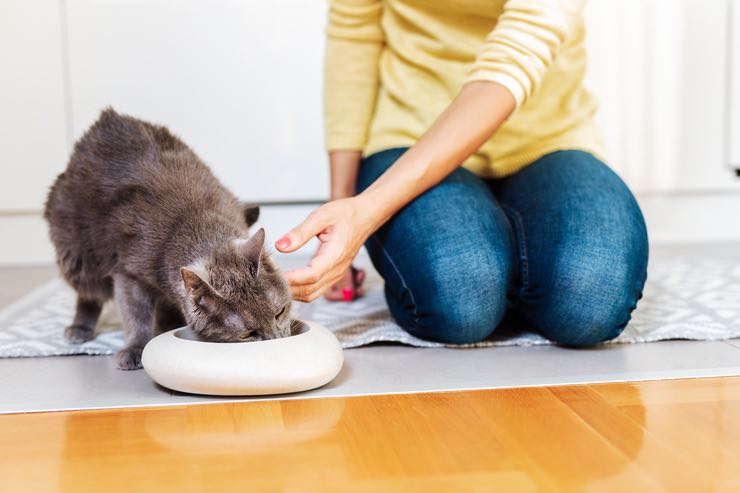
[353, 45]
[524, 43]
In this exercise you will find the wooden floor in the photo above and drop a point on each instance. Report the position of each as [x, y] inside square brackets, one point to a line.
[680, 435]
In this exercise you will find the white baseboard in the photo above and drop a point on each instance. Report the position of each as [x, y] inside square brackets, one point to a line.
[671, 219]
[684, 219]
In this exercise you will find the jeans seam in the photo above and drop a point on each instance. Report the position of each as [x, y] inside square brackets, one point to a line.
[521, 247]
[403, 281]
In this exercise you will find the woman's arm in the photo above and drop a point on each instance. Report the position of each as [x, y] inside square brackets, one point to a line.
[512, 62]
[471, 119]
[343, 167]
[343, 225]
[354, 41]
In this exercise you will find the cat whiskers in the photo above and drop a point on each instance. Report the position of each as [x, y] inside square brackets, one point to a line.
[297, 313]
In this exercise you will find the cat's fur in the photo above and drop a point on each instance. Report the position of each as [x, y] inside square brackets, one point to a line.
[138, 217]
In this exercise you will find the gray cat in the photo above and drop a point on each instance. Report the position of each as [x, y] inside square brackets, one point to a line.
[139, 218]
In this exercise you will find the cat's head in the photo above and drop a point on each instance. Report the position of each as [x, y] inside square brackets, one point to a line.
[237, 294]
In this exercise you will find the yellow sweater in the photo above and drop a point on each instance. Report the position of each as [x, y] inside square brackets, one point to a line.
[392, 66]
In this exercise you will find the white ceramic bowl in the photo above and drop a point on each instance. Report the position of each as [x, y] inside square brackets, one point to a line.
[180, 361]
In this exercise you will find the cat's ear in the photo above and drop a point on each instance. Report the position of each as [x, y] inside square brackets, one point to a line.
[252, 250]
[251, 213]
[196, 285]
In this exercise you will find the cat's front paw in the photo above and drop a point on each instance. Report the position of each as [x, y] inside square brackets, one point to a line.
[129, 358]
[77, 334]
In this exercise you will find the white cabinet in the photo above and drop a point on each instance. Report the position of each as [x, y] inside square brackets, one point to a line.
[733, 134]
[33, 139]
[240, 81]
[660, 71]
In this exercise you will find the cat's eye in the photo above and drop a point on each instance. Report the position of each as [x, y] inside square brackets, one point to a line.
[280, 313]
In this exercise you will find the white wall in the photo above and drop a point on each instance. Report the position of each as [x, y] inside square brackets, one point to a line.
[240, 81]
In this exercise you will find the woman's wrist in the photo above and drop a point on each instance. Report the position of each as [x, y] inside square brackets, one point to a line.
[377, 205]
[343, 167]
[365, 218]
[395, 188]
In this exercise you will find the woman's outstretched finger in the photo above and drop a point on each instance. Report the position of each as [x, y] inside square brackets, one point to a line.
[301, 234]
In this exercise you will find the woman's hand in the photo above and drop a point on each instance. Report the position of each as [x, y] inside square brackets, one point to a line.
[342, 226]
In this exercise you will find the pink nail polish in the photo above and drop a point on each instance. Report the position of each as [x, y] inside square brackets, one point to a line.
[283, 243]
[348, 294]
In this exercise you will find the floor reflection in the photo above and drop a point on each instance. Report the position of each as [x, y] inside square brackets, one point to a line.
[189, 446]
[626, 437]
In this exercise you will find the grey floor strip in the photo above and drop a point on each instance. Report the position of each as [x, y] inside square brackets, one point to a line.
[92, 382]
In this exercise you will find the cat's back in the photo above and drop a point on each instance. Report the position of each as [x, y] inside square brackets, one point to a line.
[107, 157]
[128, 187]
[118, 151]
[81, 202]
[123, 162]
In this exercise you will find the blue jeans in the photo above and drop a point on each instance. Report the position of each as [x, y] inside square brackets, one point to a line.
[562, 242]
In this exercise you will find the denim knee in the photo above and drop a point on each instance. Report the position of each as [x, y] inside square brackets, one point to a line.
[587, 302]
[461, 307]
[446, 257]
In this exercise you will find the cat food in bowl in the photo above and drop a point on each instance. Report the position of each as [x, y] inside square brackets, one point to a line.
[308, 359]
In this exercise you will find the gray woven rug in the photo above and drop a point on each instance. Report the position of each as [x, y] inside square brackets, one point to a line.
[686, 297]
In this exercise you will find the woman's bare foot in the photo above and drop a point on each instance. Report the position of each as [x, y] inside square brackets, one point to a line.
[348, 288]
